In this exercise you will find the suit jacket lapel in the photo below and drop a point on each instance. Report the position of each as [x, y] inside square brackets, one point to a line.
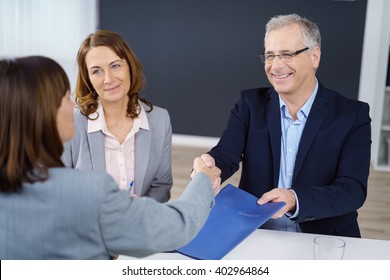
[97, 152]
[274, 126]
[142, 151]
[316, 117]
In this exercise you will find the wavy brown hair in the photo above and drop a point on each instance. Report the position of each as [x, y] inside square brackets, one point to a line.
[86, 97]
[31, 91]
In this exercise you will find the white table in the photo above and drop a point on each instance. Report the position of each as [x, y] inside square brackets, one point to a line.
[279, 245]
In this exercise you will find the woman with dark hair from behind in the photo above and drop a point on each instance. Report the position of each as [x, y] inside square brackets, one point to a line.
[48, 211]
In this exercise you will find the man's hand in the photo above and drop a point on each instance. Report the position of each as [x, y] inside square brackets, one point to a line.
[208, 160]
[210, 169]
[279, 194]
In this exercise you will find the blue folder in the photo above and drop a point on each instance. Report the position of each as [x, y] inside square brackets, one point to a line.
[234, 217]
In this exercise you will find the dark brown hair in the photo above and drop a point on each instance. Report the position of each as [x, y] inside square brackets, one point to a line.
[86, 98]
[31, 91]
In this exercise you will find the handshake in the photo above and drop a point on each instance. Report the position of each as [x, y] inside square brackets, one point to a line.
[206, 164]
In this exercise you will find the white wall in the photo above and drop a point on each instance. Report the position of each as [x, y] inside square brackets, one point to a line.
[374, 64]
[52, 28]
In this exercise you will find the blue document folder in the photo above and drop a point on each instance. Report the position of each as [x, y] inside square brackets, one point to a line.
[234, 217]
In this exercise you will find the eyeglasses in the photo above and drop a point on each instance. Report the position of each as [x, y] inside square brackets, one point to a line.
[284, 56]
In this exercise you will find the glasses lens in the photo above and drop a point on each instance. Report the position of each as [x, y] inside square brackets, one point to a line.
[286, 56]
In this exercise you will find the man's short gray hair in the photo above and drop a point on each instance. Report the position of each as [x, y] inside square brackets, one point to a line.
[310, 31]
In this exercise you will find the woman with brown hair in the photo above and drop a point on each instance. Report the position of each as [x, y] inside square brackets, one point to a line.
[117, 131]
[51, 212]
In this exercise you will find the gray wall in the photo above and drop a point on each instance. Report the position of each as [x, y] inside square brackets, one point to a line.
[199, 54]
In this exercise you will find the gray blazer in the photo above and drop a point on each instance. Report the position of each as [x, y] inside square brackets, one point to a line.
[83, 215]
[153, 153]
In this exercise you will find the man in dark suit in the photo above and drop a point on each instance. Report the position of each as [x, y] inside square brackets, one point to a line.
[298, 141]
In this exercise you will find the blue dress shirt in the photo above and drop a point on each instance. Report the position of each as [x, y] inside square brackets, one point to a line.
[291, 136]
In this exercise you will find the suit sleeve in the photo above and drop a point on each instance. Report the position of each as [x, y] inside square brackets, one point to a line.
[229, 150]
[348, 190]
[141, 226]
[160, 188]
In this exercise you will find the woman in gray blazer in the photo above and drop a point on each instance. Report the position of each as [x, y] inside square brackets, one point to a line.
[117, 131]
[48, 211]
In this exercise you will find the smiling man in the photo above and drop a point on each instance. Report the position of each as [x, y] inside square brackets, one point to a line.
[298, 141]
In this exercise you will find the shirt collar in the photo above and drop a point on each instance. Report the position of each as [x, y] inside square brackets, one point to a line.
[142, 118]
[98, 122]
[305, 110]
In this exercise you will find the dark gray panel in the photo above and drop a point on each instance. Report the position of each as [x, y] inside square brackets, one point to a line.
[198, 54]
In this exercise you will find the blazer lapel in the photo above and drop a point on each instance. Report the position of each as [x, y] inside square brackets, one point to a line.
[316, 117]
[142, 151]
[97, 152]
[274, 126]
